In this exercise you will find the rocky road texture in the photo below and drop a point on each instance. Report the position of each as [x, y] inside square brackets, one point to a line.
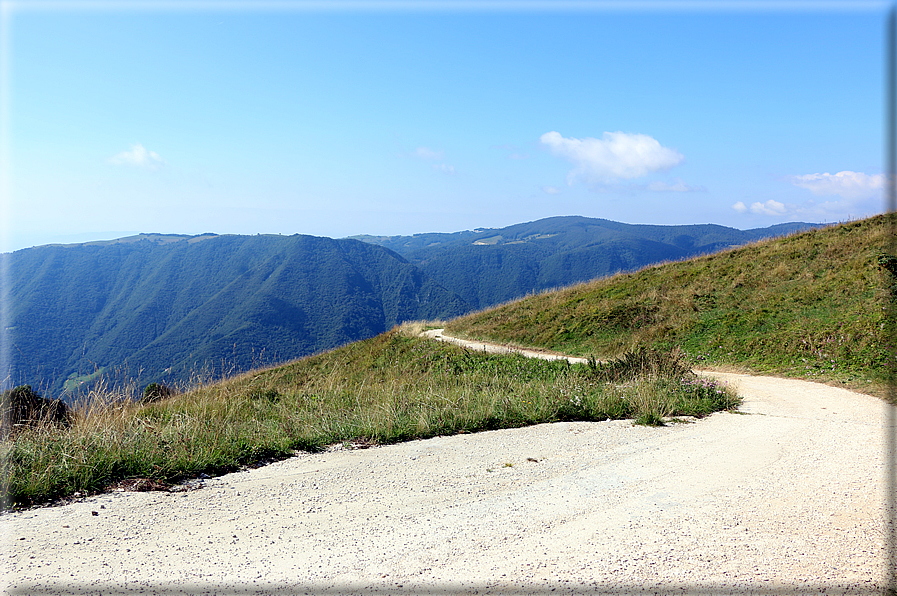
[785, 496]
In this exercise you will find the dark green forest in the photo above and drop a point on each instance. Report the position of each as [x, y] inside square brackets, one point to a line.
[155, 310]
[489, 267]
[167, 309]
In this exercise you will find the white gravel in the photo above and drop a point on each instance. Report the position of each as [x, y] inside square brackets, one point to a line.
[787, 496]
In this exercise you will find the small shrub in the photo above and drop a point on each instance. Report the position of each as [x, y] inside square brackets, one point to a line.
[642, 362]
[22, 406]
[888, 263]
[649, 419]
[270, 395]
[156, 392]
[704, 396]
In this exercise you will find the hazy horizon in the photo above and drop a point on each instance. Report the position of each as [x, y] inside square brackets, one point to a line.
[397, 119]
[83, 238]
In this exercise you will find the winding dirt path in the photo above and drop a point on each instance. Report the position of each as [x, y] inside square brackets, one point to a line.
[494, 348]
[786, 496]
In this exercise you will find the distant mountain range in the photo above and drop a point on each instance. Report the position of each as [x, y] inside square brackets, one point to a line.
[164, 308]
[489, 266]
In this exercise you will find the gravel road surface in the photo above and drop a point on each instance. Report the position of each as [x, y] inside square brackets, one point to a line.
[785, 496]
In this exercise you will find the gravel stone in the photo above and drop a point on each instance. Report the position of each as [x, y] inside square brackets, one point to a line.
[786, 496]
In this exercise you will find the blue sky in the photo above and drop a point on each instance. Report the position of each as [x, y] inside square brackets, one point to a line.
[122, 118]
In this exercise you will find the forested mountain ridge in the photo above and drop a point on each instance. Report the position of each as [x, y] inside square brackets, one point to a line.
[557, 251]
[161, 308]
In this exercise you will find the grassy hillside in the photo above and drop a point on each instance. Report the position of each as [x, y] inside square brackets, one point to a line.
[809, 305]
[396, 386]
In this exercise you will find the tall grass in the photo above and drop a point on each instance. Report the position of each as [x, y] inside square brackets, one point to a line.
[391, 388]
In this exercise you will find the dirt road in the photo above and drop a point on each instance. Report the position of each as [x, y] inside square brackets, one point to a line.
[786, 496]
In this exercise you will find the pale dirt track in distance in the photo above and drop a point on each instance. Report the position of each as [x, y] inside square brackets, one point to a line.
[785, 497]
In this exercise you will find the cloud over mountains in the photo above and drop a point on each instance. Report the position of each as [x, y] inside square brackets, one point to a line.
[770, 207]
[847, 184]
[428, 154]
[615, 156]
[138, 156]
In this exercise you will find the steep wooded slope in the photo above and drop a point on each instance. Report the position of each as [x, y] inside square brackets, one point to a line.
[163, 308]
[556, 252]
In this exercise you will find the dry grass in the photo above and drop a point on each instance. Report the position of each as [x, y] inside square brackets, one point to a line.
[391, 388]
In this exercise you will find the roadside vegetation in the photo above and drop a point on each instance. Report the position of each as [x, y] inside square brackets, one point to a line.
[813, 305]
[394, 387]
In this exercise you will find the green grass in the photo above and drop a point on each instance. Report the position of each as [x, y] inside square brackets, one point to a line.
[812, 305]
[394, 387]
[72, 384]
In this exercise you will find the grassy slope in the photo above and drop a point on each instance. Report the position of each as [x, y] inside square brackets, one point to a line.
[810, 305]
[394, 387]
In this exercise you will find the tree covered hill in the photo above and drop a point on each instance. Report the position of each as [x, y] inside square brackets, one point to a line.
[160, 308]
[163, 307]
[486, 267]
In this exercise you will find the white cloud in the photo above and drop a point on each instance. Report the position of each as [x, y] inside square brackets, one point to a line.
[434, 155]
[849, 185]
[138, 156]
[770, 207]
[850, 195]
[617, 155]
[550, 190]
[427, 153]
[450, 170]
[678, 186]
